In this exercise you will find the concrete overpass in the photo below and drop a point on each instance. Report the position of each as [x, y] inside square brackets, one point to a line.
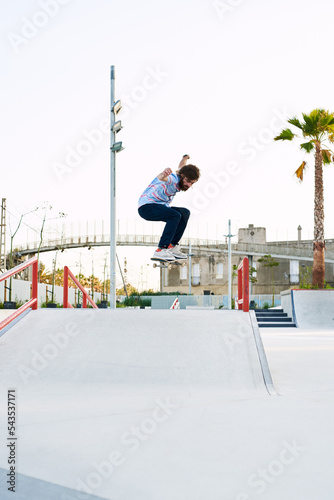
[278, 250]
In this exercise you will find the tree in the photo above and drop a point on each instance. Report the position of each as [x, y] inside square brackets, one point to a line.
[252, 278]
[318, 129]
[96, 284]
[83, 280]
[130, 289]
[234, 275]
[12, 235]
[268, 261]
[58, 278]
[45, 276]
[46, 207]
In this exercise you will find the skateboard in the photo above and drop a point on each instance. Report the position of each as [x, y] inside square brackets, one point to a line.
[167, 264]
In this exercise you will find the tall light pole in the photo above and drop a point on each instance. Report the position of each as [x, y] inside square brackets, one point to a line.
[115, 147]
[229, 267]
[190, 254]
[3, 236]
[229, 260]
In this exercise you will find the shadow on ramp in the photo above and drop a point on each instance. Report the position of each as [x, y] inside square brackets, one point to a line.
[35, 489]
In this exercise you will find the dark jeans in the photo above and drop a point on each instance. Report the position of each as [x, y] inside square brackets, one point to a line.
[176, 221]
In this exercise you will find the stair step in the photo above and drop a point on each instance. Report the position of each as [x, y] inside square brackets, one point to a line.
[269, 310]
[265, 315]
[277, 325]
[272, 318]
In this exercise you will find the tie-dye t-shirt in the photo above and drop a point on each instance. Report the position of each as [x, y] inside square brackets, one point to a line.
[160, 192]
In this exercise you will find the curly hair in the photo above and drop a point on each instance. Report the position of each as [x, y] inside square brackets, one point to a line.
[190, 171]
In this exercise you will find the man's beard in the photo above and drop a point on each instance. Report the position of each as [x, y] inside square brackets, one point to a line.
[182, 186]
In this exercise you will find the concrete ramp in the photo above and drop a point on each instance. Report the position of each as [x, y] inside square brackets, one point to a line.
[100, 394]
[71, 348]
[310, 309]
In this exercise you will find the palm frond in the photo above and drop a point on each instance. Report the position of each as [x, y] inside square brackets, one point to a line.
[310, 127]
[326, 156]
[326, 120]
[308, 146]
[294, 121]
[300, 171]
[317, 113]
[285, 135]
[331, 138]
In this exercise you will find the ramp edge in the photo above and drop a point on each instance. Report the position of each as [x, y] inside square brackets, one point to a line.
[294, 316]
[14, 322]
[268, 381]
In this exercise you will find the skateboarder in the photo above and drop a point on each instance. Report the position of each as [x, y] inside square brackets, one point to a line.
[154, 204]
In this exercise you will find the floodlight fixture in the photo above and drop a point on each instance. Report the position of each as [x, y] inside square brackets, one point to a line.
[117, 147]
[117, 107]
[117, 126]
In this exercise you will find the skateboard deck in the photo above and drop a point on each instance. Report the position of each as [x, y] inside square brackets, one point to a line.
[167, 263]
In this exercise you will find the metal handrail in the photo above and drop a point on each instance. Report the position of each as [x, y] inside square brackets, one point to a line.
[33, 302]
[85, 295]
[243, 285]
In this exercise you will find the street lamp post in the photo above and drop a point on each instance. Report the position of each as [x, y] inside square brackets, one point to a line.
[229, 267]
[229, 260]
[115, 147]
[112, 194]
[190, 254]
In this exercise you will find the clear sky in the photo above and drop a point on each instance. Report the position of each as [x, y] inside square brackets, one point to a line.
[214, 79]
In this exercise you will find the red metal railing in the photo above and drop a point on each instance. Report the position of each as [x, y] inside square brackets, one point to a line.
[33, 302]
[243, 285]
[85, 295]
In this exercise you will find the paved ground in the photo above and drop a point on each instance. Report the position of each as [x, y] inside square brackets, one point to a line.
[166, 404]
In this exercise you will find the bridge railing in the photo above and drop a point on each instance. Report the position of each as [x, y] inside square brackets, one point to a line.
[85, 295]
[33, 302]
[276, 249]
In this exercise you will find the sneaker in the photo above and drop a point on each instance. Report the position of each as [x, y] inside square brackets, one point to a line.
[163, 254]
[176, 251]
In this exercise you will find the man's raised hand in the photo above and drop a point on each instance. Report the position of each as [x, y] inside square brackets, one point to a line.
[164, 175]
[184, 160]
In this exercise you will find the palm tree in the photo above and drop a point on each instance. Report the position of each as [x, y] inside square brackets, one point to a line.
[317, 128]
